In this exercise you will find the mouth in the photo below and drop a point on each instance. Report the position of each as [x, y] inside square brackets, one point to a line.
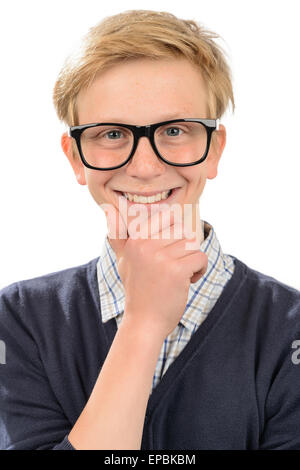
[166, 197]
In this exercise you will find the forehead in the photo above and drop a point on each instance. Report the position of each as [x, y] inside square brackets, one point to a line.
[142, 91]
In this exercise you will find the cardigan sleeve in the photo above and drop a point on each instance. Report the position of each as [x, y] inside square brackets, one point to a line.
[64, 445]
[30, 416]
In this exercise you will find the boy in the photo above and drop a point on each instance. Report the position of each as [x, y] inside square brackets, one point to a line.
[153, 345]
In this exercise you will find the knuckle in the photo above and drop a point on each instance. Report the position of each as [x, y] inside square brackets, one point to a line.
[204, 258]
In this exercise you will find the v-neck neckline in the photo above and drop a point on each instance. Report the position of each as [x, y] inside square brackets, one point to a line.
[229, 292]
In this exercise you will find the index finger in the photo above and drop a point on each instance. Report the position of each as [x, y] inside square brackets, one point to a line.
[152, 223]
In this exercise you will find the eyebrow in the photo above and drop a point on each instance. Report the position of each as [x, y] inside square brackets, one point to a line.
[166, 117]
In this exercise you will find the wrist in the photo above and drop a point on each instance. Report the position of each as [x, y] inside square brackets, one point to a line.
[142, 330]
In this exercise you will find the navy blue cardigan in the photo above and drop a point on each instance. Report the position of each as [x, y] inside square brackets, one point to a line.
[236, 384]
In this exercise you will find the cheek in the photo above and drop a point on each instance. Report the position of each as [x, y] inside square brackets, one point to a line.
[201, 186]
[195, 176]
[196, 184]
[202, 179]
[97, 185]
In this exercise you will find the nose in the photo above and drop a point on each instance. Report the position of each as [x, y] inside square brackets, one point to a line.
[145, 163]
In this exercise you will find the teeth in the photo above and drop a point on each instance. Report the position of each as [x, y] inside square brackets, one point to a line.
[147, 200]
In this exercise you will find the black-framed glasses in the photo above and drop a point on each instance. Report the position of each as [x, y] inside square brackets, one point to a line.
[110, 145]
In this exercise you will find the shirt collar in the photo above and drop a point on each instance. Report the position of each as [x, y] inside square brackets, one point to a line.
[112, 294]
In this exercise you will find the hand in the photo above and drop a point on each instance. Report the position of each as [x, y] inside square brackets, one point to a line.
[156, 273]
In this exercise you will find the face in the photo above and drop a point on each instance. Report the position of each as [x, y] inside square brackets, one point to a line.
[143, 92]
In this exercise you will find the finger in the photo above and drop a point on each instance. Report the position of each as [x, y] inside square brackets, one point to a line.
[195, 263]
[168, 216]
[196, 277]
[149, 225]
[179, 248]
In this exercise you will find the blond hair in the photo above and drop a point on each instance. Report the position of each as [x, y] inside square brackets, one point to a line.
[135, 34]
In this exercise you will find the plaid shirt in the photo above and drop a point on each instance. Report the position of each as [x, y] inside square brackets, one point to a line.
[202, 296]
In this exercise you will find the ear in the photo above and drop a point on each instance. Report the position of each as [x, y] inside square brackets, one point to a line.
[73, 157]
[215, 152]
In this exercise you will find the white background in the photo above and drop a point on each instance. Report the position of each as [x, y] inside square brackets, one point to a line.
[49, 222]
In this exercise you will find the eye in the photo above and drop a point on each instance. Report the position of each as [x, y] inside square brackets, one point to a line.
[112, 134]
[172, 129]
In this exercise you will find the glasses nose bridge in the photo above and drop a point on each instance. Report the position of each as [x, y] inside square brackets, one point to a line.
[144, 131]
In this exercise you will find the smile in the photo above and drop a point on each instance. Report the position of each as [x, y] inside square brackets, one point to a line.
[164, 196]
